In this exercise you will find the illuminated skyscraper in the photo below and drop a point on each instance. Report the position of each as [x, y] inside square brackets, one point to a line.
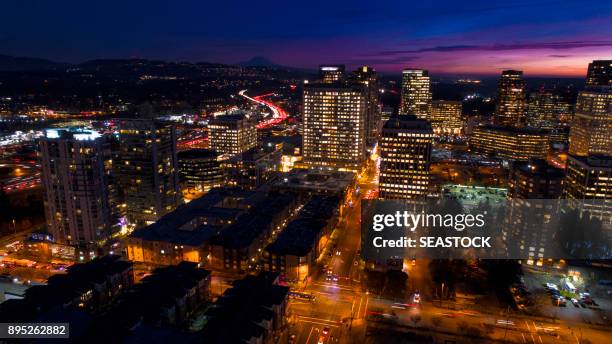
[200, 170]
[591, 128]
[589, 166]
[148, 171]
[416, 93]
[599, 73]
[527, 225]
[445, 117]
[510, 107]
[368, 77]
[535, 179]
[334, 125]
[76, 165]
[541, 110]
[405, 154]
[331, 73]
[232, 134]
[590, 178]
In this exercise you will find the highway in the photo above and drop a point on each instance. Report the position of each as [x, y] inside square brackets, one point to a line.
[278, 114]
[22, 177]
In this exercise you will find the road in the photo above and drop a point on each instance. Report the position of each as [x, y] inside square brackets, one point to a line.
[278, 114]
[350, 313]
[339, 305]
[22, 177]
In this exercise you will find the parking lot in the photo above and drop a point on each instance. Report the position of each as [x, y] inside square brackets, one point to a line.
[553, 299]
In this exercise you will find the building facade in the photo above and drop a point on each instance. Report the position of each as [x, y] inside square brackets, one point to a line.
[200, 170]
[591, 128]
[416, 93]
[590, 178]
[541, 110]
[148, 170]
[599, 73]
[509, 142]
[511, 102]
[535, 179]
[329, 74]
[232, 134]
[405, 153]
[334, 126]
[368, 77]
[446, 117]
[76, 167]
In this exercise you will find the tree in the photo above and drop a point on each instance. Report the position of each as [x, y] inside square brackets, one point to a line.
[5, 205]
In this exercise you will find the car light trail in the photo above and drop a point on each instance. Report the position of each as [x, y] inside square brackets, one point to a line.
[278, 114]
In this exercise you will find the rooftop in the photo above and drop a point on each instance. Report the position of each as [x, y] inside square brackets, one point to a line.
[79, 134]
[603, 161]
[62, 289]
[197, 153]
[539, 167]
[300, 235]
[315, 180]
[212, 204]
[298, 238]
[196, 237]
[407, 122]
[243, 306]
[228, 118]
[147, 300]
[259, 218]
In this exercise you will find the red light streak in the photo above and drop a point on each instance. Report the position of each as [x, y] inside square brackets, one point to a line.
[279, 115]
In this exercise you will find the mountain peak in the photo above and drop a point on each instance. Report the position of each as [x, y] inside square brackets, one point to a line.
[258, 61]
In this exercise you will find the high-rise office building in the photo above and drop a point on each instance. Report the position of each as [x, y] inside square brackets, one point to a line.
[510, 143]
[147, 169]
[445, 117]
[589, 165]
[416, 93]
[199, 170]
[527, 227]
[535, 179]
[510, 107]
[592, 124]
[541, 110]
[232, 134]
[368, 77]
[75, 176]
[599, 73]
[590, 178]
[405, 155]
[334, 128]
[330, 74]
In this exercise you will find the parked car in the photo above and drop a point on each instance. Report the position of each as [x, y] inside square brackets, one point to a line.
[575, 302]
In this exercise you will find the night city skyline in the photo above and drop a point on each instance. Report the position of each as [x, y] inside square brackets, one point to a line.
[546, 38]
[321, 172]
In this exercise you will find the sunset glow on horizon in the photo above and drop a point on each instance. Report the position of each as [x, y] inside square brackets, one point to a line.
[542, 38]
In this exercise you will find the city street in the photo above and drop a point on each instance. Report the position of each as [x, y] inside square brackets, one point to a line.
[353, 316]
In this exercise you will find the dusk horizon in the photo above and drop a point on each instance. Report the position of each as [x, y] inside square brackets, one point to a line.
[320, 172]
[549, 38]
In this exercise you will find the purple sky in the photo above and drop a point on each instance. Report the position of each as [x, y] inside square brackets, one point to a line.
[553, 37]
